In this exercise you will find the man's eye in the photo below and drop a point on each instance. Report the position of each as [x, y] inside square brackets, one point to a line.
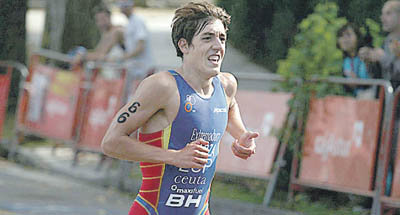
[206, 38]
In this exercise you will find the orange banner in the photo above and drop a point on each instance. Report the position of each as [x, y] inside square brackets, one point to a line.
[5, 80]
[396, 173]
[261, 112]
[340, 142]
[52, 102]
[103, 102]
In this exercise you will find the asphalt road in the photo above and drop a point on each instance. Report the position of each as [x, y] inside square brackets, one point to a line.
[26, 191]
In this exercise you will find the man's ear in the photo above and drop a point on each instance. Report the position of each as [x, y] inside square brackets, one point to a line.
[183, 45]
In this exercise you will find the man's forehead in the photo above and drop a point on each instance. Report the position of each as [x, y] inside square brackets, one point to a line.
[211, 32]
[391, 6]
[214, 27]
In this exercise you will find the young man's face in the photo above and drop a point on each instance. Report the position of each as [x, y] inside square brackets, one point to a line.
[207, 49]
[389, 18]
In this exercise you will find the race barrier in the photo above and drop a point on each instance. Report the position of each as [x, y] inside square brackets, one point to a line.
[103, 101]
[51, 99]
[71, 105]
[341, 141]
[6, 70]
[262, 111]
[392, 202]
[341, 150]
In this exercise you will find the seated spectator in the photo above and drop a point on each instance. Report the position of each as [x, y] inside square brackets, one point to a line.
[349, 40]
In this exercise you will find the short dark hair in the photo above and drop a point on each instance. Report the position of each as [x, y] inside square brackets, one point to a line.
[339, 33]
[101, 8]
[192, 18]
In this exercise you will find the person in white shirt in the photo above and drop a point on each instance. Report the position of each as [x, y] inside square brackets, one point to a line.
[138, 57]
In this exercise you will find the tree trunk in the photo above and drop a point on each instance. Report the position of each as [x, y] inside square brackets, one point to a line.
[12, 39]
[71, 26]
[56, 10]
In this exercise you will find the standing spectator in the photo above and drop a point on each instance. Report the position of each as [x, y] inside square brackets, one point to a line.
[389, 55]
[138, 57]
[349, 41]
[389, 58]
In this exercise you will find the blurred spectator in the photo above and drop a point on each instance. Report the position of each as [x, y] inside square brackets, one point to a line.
[389, 55]
[389, 58]
[349, 41]
[138, 57]
[111, 44]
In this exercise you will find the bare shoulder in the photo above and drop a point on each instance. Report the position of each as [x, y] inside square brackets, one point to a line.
[158, 85]
[229, 83]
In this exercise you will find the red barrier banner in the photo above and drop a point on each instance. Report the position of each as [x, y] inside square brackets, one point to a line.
[340, 142]
[5, 80]
[396, 172]
[103, 102]
[52, 103]
[261, 112]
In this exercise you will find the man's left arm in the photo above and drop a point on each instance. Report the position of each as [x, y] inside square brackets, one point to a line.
[244, 145]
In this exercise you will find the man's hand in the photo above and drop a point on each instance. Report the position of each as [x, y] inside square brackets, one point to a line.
[371, 54]
[395, 48]
[194, 155]
[78, 59]
[245, 146]
[363, 53]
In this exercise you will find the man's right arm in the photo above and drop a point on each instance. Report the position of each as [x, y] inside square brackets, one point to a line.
[371, 54]
[152, 95]
[105, 45]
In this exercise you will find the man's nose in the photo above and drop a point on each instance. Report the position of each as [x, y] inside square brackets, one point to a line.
[218, 44]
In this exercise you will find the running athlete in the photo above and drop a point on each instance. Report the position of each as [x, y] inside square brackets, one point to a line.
[181, 116]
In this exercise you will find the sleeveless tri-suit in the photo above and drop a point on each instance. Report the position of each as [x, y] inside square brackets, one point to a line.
[167, 189]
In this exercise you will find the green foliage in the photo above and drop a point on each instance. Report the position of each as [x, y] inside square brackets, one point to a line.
[13, 40]
[355, 10]
[79, 26]
[265, 29]
[375, 31]
[314, 54]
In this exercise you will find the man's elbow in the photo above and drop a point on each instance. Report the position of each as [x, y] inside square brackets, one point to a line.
[107, 146]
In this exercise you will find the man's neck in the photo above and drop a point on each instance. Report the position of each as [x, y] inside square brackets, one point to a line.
[202, 85]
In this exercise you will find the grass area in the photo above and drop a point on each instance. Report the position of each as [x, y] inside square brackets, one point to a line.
[233, 187]
[8, 127]
[315, 202]
[28, 141]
